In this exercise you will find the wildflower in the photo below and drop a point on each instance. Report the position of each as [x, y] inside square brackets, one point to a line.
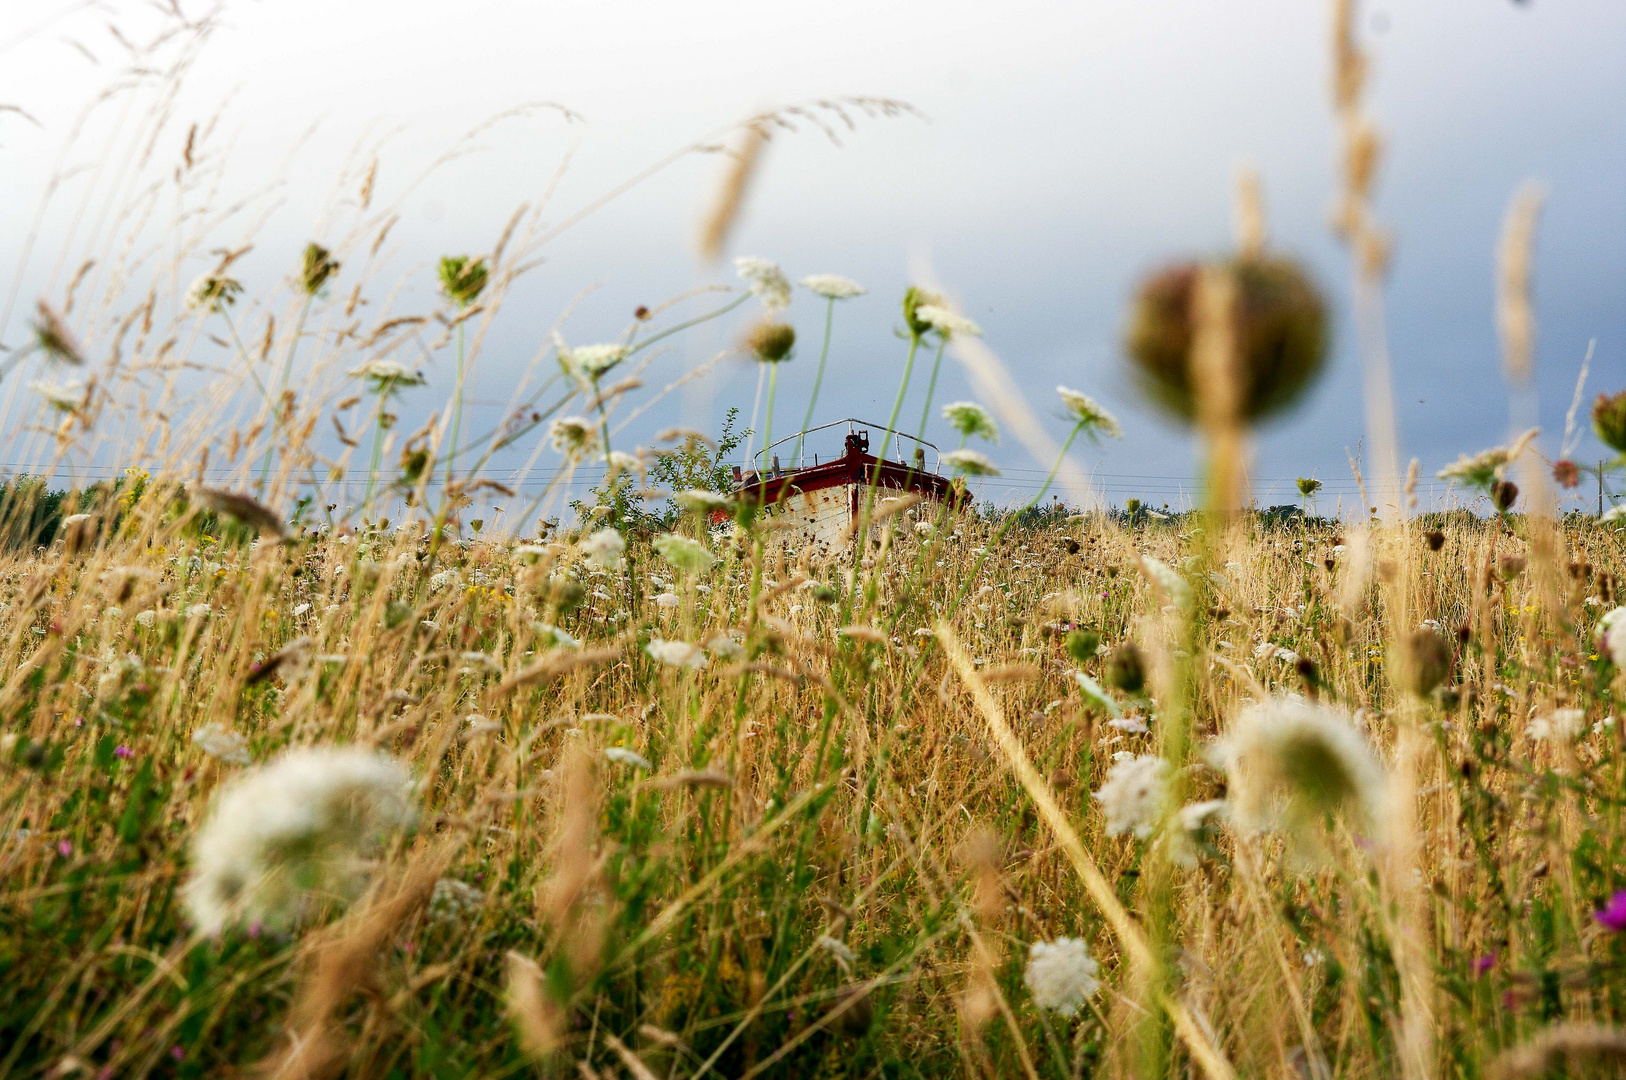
[385, 377]
[771, 342]
[725, 648]
[667, 600]
[603, 549]
[833, 286]
[1279, 325]
[970, 463]
[65, 397]
[699, 501]
[573, 436]
[687, 555]
[1610, 634]
[439, 581]
[212, 292]
[765, 280]
[620, 461]
[1609, 420]
[319, 265]
[1558, 726]
[1612, 916]
[199, 611]
[1133, 794]
[1088, 414]
[622, 756]
[588, 363]
[123, 753]
[1061, 975]
[947, 321]
[1190, 830]
[451, 900]
[1566, 474]
[462, 278]
[913, 300]
[1479, 470]
[1292, 763]
[146, 618]
[1172, 584]
[1308, 486]
[219, 742]
[53, 338]
[280, 838]
[675, 653]
[969, 418]
[924, 528]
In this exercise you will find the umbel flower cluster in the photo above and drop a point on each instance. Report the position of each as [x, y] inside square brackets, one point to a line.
[283, 839]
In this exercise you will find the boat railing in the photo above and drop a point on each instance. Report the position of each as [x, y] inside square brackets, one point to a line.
[770, 466]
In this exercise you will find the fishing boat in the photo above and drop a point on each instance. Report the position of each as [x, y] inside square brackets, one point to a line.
[822, 503]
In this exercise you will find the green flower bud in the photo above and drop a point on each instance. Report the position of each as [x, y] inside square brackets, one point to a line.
[462, 278]
[771, 342]
[319, 266]
[1609, 420]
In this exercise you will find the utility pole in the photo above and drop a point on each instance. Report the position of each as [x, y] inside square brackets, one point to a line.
[1600, 489]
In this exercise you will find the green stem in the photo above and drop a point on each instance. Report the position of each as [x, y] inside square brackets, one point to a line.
[818, 379]
[931, 387]
[457, 407]
[377, 455]
[767, 427]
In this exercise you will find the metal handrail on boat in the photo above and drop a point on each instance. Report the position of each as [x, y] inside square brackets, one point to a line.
[849, 421]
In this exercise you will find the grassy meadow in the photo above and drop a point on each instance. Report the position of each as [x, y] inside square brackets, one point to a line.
[328, 747]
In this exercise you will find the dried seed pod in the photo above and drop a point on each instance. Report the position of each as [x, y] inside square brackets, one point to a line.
[1504, 493]
[1125, 669]
[244, 508]
[1435, 539]
[1427, 660]
[1280, 327]
[771, 342]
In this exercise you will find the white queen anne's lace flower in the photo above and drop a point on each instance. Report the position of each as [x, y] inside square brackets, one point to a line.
[603, 549]
[1061, 975]
[64, 397]
[622, 756]
[947, 321]
[1611, 634]
[970, 462]
[1133, 793]
[1559, 726]
[218, 741]
[969, 418]
[1088, 413]
[387, 376]
[1291, 763]
[587, 364]
[765, 280]
[690, 556]
[283, 837]
[453, 900]
[675, 653]
[573, 436]
[833, 286]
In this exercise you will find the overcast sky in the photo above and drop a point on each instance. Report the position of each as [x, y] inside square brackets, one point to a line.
[1062, 150]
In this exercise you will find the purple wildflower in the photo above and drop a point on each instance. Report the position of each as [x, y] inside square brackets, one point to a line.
[1484, 963]
[64, 849]
[1612, 916]
[124, 752]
